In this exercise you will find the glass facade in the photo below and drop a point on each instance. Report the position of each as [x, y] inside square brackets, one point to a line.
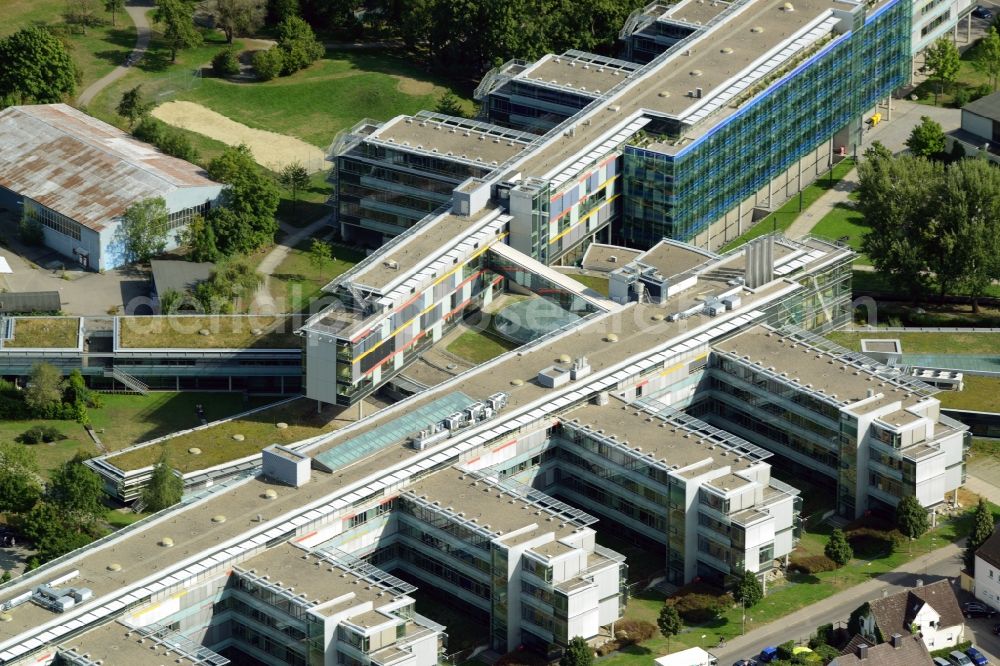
[679, 195]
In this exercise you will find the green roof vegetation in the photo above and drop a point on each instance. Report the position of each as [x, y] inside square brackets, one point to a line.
[47, 332]
[595, 282]
[216, 443]
[479, 346]
[208, 332]
[925, 343]
[981, 394]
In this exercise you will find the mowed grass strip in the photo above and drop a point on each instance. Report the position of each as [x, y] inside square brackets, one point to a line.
[329, 96]
[297, 281]
[595, 282]
[45, 332]
[925, 343]
[224, 332]
[216, 442]
[981, 394]
[479, 346]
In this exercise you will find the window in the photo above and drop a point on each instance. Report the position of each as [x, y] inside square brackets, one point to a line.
[51, 219]
[183, 217]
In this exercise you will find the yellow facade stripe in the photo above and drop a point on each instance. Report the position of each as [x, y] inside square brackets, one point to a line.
[431, 306]
[581, 220]
[678, 366]
[604, 184]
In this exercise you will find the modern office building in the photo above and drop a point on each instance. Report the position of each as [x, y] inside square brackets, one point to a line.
[388, 176]
[76, 176]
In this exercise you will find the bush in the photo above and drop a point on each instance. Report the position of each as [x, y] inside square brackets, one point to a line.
[36, 434]
[268, 64]
[962, 97]
[224, 63]
[812, 564]
[698, 608]
[169, 140]
[636, 631]
[31, 232]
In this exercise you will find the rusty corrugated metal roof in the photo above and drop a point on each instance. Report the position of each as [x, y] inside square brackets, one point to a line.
[82, 167]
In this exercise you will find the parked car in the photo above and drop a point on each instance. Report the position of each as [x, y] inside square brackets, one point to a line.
[977, 657]
[767, 655]
[746, 662]
[981, 12]
[996, 629]
[977, 609]
[941, 661]
[959, 659]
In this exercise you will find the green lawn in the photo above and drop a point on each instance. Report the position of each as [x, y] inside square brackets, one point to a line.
[797, 592]
[98, 52]
[844, 222]
[128, 419]
[967, 78]
[224, 332]
[331, 95]
[595, 282]
[479, 346]
[296, 281]
[981, 394]
[311, 204]
[926, 343]
[53, 454]
[50, 332]
[217, 444]
[783, 218]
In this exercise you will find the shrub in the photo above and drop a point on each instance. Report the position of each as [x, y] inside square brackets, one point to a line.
[812, 564]
[36, 434]
[636, 631]
[31, 232]
[224, 63]
[698, 608]
[962, 97]
[268, 64]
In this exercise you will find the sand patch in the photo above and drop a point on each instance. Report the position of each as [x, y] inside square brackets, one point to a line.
[270, 149]
[409, 86]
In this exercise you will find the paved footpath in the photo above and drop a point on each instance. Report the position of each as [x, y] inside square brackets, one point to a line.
[799, 626]
[137, 13]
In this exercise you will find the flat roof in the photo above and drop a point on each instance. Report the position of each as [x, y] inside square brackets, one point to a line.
[114, 643]
[987, 107]
[696, 12]
[83, 168]
[580, 75]
[486, 504]
[671, 258]
[815, 369]
[711, 63]
[598, 257]
[455, 138]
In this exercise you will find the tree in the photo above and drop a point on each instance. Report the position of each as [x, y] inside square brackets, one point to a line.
[449, 105]
[238, 17]
[164, 488]
[669, 622]
[245, 221]
[269, 63]
[52, 531]
[77, 491]
[982, 529]
[942, 61]
[132, 106]
[143, 230]
[82, 13]
[114, 6]
[320, 254]
[987, 56]
[298, 42]
[200, 238]
[294, 177]
[577, 653]
[37, 68]
[44, 388]
[911, 518]
[20, 487]
[279, 10]
[177, 17]
[748, 590]
[897, 195]
[837, 548]
[225, 63]
[927, 139]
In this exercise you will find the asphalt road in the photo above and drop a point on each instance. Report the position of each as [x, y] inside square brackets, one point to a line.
[942, 563]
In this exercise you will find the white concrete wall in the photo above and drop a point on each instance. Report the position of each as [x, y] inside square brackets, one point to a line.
[987, 580]
[321, 368]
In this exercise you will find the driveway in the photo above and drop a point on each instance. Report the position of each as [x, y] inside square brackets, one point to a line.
[137, 12]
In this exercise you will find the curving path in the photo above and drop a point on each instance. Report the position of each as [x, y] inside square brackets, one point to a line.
[137, 12]
[273, 259]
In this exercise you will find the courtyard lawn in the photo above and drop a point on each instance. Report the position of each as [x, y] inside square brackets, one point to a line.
[783, 218]
[125, 419]
[296, 281]
[981, 394]
[217, 444]
[925, 343]
[98, 52]
[595, 282]
[844, 222]
[311, 204]
[479, 346]
[968, 78]
[48, 332]
[53, 454]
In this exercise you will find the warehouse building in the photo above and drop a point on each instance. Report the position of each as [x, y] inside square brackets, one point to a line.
[76, 176]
